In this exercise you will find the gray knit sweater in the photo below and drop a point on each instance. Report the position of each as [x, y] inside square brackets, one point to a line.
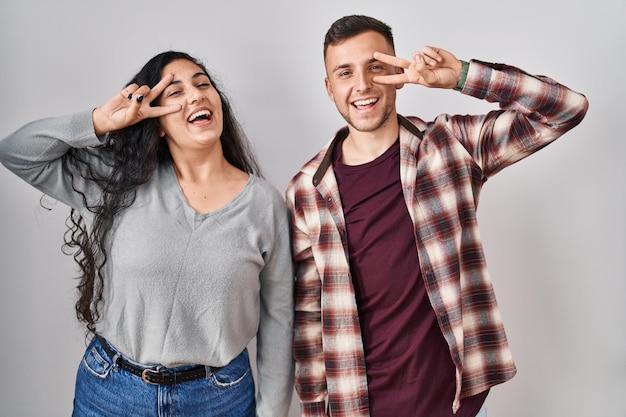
[181, 287]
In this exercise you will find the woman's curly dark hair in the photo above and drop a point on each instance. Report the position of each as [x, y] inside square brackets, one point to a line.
[131, 155]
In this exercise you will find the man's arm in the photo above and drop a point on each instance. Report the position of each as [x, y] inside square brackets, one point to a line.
[310, 377]
[534, 110]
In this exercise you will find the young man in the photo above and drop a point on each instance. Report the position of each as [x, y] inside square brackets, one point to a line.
[395, 311]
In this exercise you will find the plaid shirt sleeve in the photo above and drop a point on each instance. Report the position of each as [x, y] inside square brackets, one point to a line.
[534, 111]
[310, 380]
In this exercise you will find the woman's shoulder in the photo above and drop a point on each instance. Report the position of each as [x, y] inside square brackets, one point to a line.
[264, 192]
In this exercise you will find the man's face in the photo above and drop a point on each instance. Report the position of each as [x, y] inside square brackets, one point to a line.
[350, 67]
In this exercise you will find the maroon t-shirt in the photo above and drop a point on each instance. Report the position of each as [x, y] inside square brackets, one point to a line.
[409, 366]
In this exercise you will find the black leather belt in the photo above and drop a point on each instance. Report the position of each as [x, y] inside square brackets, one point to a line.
[158, 376]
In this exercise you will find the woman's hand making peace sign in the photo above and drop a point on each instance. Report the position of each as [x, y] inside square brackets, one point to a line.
[131, 105]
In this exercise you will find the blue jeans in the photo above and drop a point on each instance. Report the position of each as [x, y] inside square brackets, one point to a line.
[105, 390]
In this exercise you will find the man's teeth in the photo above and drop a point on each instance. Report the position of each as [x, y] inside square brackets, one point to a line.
[365, 102]
[198, 114]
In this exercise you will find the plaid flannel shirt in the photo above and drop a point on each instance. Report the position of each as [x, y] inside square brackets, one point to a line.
[443, 165]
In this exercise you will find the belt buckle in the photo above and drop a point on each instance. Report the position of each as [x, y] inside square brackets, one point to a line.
[144, 376]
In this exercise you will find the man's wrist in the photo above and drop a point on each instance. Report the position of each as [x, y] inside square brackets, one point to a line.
[462, 76]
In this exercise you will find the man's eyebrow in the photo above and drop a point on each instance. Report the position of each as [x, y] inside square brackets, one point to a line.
[344, 66]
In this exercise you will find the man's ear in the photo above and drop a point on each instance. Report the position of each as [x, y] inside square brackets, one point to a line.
[329, 89]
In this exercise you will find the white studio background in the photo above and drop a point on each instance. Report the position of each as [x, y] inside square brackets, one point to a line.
[553, 225]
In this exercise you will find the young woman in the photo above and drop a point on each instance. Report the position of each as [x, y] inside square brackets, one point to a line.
[183, 248]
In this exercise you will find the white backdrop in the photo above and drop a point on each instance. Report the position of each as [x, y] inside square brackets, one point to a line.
[553, 224]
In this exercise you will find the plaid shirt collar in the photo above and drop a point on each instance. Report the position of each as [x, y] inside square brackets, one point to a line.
[327, 160]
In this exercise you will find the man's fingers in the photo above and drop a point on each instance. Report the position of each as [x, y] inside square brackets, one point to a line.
[432, 53]
[422, 59]
[391, 60]
[391, 79]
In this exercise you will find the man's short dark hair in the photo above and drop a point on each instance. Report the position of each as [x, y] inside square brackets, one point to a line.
[349, 26]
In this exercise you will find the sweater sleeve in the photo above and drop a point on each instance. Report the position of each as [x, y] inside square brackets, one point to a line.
[275, 335]
[534, 111]
[34, 153]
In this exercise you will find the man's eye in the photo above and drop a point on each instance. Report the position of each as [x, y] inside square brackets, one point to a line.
[344, 73]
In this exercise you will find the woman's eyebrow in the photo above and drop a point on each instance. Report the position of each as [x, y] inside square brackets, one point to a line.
[196, 75]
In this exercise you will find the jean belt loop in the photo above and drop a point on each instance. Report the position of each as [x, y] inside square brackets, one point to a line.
[115, 360]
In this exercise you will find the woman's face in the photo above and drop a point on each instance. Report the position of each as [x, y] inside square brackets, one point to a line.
[199, 124]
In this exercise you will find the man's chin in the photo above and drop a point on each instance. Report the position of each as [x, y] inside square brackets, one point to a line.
[368, 125]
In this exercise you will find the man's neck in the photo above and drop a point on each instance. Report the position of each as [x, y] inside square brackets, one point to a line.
[362, 147]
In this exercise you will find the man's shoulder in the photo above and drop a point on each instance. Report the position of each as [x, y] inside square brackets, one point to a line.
[308, 170]
[303, 180]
